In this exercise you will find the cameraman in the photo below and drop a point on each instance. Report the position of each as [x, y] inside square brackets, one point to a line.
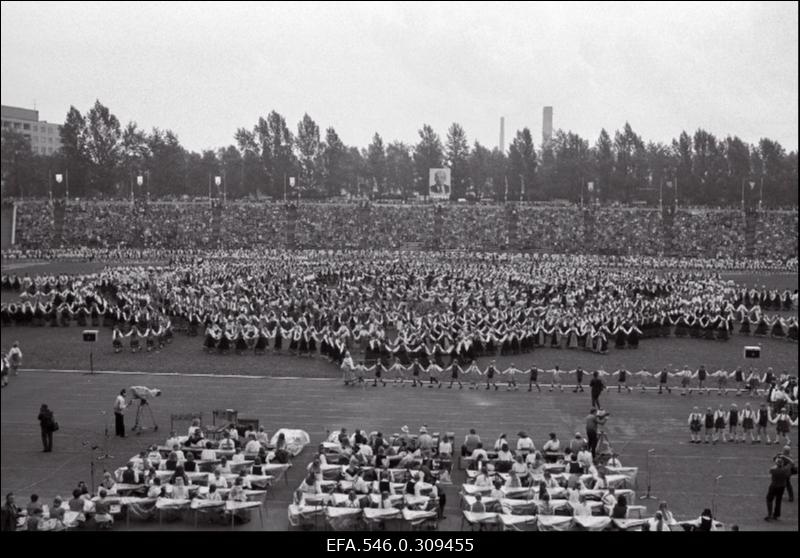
[120, 404]
[594, 421]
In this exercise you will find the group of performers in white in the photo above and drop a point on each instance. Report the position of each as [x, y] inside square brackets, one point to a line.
[407, 305]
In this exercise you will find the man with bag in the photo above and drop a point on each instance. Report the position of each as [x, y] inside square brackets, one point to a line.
[48, 425]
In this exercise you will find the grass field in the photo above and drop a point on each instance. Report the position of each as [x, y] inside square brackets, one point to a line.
[284, 391]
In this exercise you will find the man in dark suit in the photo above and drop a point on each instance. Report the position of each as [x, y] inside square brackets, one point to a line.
[780, 473]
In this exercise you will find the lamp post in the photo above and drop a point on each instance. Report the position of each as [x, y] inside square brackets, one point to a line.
[648, 495]
[139, 182]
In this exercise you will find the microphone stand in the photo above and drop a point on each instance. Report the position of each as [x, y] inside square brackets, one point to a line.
[648, 495]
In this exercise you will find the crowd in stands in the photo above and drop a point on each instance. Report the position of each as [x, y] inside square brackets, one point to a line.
[697, 233]
[776, 234]
[624, 231]
[712, 234]
[247, 225]
[550, 229]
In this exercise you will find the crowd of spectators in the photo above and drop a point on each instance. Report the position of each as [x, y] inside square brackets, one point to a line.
[711, 233]
[776, 234]
[624, 231]
[252, 224]
[471, 227]
[550, 229]
[621, 231]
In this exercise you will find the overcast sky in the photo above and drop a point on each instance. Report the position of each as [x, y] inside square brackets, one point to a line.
[204, 69]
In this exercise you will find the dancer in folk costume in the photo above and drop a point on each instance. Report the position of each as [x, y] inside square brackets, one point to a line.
[455, 372]
[474, 374]
[491, 375]
[722, 381]
[533, 379]
[511, 372]
[556, 379]
[622, 379]
[643, 374]
[695, 424]
[702, 376]
[733, 424]
[663, 379]
[748, 423]
[783, 425]
[116, 339]
[720, 421]
[708, 423]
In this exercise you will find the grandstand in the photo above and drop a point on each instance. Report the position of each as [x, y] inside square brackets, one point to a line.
[685, 232]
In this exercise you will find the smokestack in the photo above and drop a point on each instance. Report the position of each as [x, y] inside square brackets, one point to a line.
[547, 124]
[502, 134]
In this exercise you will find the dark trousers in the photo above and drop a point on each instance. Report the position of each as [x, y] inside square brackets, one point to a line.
[774, 494]
[47, 440]
[119, 424]
[596, 400]
[591, 437]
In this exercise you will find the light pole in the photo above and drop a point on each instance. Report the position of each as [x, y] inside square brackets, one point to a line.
[648, 495]
[59, 180]
[139, 182]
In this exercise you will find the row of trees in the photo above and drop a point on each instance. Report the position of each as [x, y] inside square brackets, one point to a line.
[103, 157]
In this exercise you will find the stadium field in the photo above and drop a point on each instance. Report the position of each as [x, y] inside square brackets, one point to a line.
[294, 392]
[683, 474]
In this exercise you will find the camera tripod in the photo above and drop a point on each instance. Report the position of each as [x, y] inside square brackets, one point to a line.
[138, 423]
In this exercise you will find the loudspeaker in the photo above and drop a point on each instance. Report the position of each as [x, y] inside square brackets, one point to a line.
[90, 335]
[752, 351]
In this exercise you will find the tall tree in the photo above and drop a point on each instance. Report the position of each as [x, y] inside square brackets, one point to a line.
[480, 171]
[572, 165]
[682, 148]
[457, 153]
[333, 163]
[255, 178]
[103, 147]
[355, 171]
[628, 172]
[231, 164]
[134, 154]
[604, 161]
[522, 167]
[309, 154]
[283, 159]
[376, 164]
[399, 169]
[74, 153]
[168, 176]
[17, 162]
[776, 173]
[428, 154]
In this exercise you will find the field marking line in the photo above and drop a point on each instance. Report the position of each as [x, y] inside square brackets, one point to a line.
[177, 374]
